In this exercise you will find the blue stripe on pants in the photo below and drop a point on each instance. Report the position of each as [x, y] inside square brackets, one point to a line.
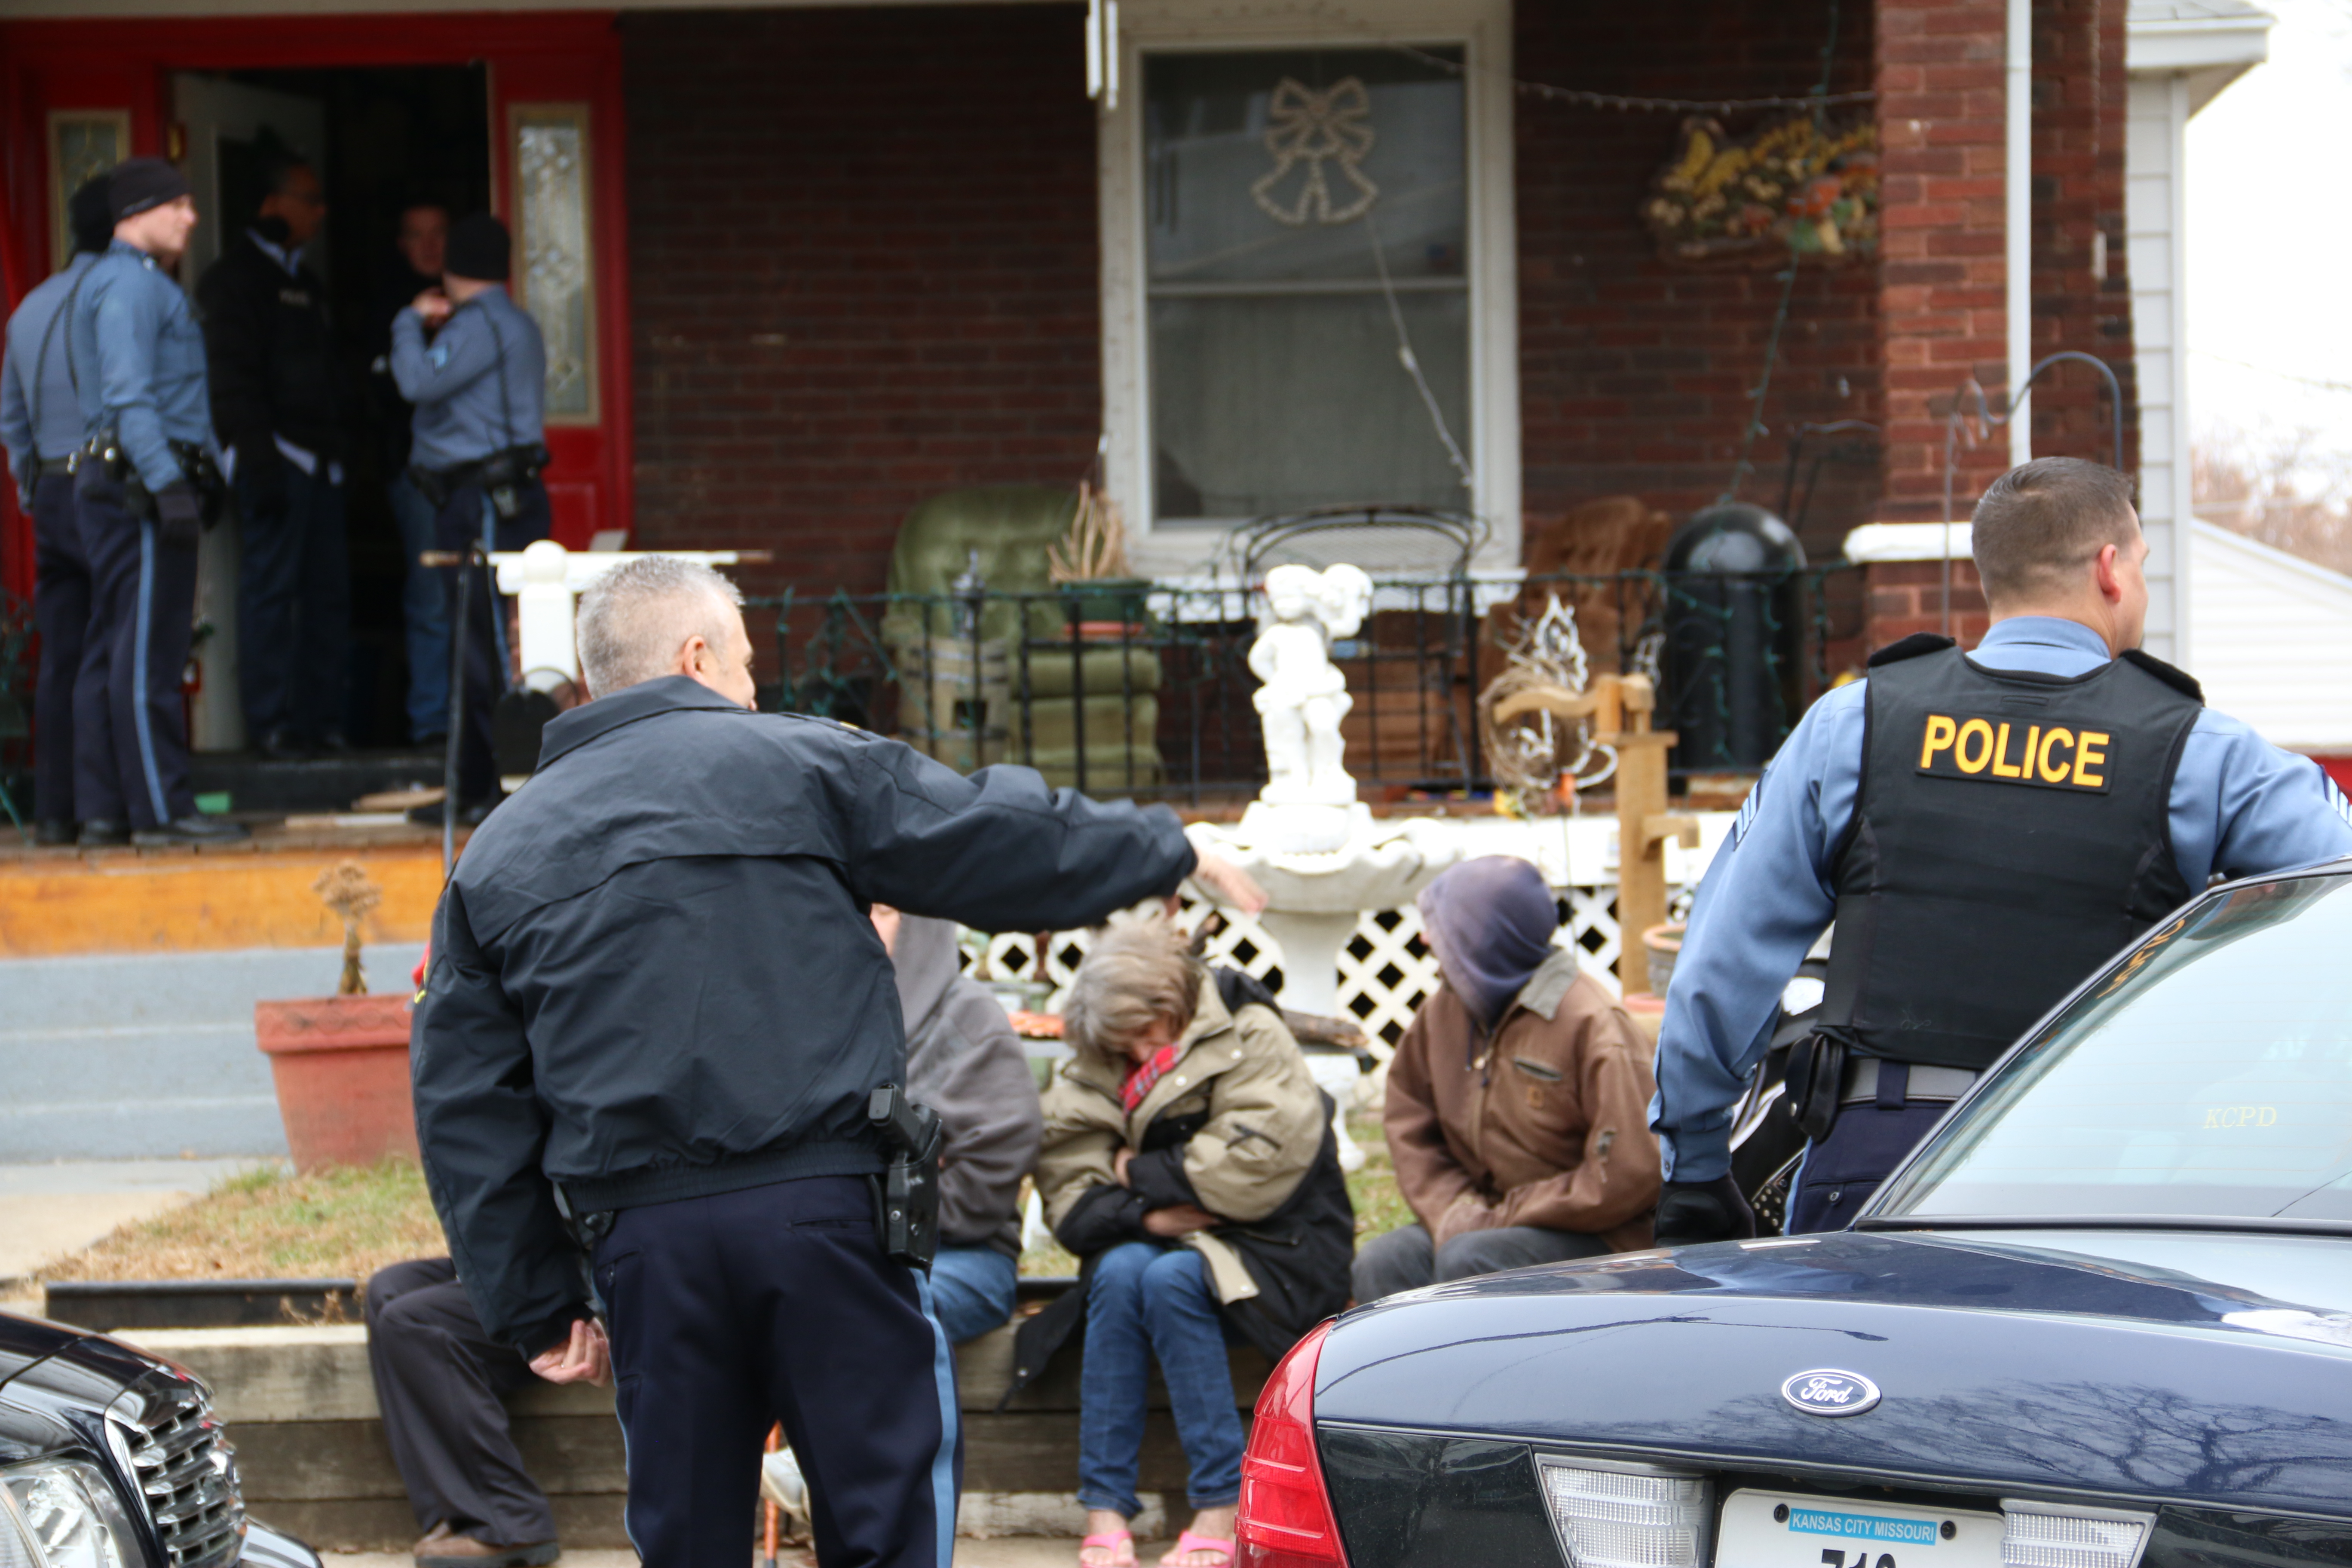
[141, 693]
[943, 1466]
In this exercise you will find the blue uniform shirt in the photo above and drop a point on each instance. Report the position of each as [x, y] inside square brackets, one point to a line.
[40, 416]
[138, 357]
[2240, 806]
[479, 387]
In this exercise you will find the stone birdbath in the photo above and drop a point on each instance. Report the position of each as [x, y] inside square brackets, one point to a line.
[1316, 850]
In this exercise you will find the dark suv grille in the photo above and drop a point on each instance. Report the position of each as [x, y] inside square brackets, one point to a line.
[187, 1469]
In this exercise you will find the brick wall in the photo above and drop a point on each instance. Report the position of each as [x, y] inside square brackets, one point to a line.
[1635, 375]
[1942, 87]
[2082, 292]
[1941, 284]
[862, 250]
[1907, 597]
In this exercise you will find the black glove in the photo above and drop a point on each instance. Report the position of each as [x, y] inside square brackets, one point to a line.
[178, 513]
[1690, 1213]
[261, 477]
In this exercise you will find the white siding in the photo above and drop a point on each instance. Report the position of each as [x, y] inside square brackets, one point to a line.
[2155, 241]
[2273, 639]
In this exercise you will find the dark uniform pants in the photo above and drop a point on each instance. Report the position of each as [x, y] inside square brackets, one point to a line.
[130, 726]
[458, 526]
[1842, 1170]
[61, 611]
[439, 1380]
[294, 606]
[729, 1313]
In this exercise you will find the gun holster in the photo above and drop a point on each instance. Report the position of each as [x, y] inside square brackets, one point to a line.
[585, 1229]
[1816, 1076]
[907, 1194]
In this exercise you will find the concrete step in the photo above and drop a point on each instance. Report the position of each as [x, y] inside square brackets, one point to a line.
[153, 1056]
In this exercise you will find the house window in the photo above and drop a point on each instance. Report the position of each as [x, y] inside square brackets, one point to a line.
[1259, 169]
[1305, 214]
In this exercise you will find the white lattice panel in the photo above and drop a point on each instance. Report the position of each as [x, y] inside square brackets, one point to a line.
[1385, 971]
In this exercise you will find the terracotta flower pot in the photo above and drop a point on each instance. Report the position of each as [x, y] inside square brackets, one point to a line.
[341, 1067]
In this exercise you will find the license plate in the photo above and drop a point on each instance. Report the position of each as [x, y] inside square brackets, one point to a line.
[1791, 1530]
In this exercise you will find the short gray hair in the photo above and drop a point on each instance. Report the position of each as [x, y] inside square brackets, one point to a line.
[635, 619]
[1134, 971]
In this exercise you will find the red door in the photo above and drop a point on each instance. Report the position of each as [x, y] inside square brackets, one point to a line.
[556, 131]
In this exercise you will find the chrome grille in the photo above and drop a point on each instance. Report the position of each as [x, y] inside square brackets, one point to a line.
[188, 1471]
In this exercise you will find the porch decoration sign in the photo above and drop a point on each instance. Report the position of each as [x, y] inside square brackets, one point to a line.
[1314, 126]
[1799, 188]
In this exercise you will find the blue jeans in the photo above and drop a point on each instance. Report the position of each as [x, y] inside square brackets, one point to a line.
[424, 607]
[972, 1290]
[1143, 1302]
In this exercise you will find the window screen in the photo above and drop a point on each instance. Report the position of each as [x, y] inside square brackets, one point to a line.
[1270, 177]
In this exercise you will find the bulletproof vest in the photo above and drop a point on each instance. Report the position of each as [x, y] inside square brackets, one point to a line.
[2011, 833]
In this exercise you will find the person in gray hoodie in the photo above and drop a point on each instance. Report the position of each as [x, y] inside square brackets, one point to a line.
[964, 1061]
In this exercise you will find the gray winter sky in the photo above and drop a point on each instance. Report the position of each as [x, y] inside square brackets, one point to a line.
[2270, 234]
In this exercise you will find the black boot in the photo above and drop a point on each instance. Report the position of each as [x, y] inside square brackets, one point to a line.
[101, 832]
[54, 832]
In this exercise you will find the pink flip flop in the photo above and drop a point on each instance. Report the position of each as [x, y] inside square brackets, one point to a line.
[1113, 1541]
[1187, 1542]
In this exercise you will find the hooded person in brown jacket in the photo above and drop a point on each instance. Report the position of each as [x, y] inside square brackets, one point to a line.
[1519, 1098]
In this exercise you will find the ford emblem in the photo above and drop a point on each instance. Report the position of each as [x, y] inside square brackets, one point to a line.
[1828, 1392]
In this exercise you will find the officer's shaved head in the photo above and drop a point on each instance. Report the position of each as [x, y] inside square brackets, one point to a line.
[2042, 524]
[635, 620]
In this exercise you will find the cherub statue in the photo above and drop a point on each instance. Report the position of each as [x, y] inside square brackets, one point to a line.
[1302, 697]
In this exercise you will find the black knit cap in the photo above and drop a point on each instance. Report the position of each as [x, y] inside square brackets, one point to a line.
[89, 213]
[138, 183]
[478, 250]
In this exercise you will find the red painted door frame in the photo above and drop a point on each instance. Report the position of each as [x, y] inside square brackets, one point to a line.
[537, 56]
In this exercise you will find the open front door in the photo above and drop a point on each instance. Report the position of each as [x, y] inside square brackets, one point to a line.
[76, 94]
[556, 119]
[223, 124]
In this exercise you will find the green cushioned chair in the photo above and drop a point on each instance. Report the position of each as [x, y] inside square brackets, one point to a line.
[1005, 530]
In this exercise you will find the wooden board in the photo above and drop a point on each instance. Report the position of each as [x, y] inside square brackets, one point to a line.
[178, 901]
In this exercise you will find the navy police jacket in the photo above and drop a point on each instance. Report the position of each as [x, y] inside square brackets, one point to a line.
[653, 975]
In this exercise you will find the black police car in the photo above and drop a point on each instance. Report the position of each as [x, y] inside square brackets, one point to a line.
[2102, 1318]
[110, 1458]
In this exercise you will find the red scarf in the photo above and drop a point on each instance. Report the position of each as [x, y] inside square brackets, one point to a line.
[1144, 1075]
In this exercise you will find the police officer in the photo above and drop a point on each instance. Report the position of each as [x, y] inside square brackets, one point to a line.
[146, 482]
[1986, 829]
[479, 387]
[40, 421]
[655, 992]
[276, 395]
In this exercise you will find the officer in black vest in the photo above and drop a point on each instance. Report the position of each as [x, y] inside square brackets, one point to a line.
[1986, 829]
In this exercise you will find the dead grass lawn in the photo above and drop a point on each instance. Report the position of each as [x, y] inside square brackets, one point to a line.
[331, 1224]
[347, 1224]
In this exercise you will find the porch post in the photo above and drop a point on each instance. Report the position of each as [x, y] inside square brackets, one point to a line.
[1942, 121]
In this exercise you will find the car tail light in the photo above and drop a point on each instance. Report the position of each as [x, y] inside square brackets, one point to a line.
[1285, 1516]
[2055, 1535]
[1628, 1516]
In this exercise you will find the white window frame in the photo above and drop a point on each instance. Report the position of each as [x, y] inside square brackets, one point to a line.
[1481, 30]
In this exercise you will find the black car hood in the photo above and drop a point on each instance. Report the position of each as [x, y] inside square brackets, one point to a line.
[2007, 1365]
[45, 1365]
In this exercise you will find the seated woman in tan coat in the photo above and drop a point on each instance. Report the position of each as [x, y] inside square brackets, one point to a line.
[1188, 1161]
[1519, 1098]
